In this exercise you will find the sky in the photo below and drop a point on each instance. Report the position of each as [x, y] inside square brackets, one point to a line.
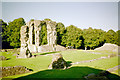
[99, 15]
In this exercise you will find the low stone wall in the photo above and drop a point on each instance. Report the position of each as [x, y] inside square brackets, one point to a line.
[9, 71]
[49, 48]
[45, 48]
[2, 58]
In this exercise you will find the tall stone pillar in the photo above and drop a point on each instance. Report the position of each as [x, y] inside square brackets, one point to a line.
[30, 24]
[37, 24]
[24, 51]
[37, 32]
[51, 34]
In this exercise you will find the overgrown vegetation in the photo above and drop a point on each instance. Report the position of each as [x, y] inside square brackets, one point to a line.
[66, 36]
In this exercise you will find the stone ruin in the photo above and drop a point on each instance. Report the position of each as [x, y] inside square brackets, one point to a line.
[58, 62]
[9, 71]
[30, 36]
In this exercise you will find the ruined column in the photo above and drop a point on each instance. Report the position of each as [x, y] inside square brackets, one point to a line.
[51, 34]
[24, 51]
[37, 32]
[37, 24]
[30, 24]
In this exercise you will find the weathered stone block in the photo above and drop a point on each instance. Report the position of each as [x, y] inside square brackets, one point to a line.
[8, 71]
[3, 58]
[58, 62]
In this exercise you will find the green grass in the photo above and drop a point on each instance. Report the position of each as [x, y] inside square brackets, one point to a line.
[79, 55]
[39, 65]
[103, 63]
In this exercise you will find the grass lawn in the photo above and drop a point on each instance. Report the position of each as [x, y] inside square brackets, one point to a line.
[39, 65]
[102, 64]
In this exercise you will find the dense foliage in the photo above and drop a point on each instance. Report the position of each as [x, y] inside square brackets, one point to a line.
[69, 36]
[93, 38]
[5, 43]
[73, 37]
[60, 28]
[11, 33]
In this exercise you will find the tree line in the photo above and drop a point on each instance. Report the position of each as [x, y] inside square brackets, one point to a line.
[66, 36]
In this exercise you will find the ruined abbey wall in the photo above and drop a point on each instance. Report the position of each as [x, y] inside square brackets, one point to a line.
[31, 38]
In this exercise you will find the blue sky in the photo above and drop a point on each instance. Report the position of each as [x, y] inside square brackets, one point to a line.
[100, 15]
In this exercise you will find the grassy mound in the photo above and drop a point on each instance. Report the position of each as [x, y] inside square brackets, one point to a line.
[109, 47]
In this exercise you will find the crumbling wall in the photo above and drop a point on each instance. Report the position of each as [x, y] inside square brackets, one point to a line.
[31, 38]
[37, 24]
[36, 27]
[24, 50]
[9, 71]
[51, 34]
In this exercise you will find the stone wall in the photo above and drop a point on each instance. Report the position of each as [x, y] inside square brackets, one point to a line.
[51, 33]
[24, 50]
[31, 37]
[9, 71]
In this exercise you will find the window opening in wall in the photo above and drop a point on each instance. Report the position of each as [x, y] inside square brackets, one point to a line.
[33, 34]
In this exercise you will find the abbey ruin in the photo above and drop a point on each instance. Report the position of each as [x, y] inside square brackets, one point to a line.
[30, 36]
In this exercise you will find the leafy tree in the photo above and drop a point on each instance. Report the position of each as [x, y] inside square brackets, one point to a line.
[118, 37]
[60, 28]
[13, 32]
[73, 37]
[93, 38]
[5, 44]
[111, 37]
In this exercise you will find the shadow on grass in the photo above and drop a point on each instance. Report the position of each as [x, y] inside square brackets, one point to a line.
[73, 73]
[69, 63]
[8, 58]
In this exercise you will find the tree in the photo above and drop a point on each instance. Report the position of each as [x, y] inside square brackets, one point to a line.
[13, 32]
[93, 38]
[111, 37]
[73, 37]
[60, 28]
[5, 44]
[118, 37]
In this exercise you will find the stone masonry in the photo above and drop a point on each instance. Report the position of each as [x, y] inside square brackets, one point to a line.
[31, 38]
[24, 51]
